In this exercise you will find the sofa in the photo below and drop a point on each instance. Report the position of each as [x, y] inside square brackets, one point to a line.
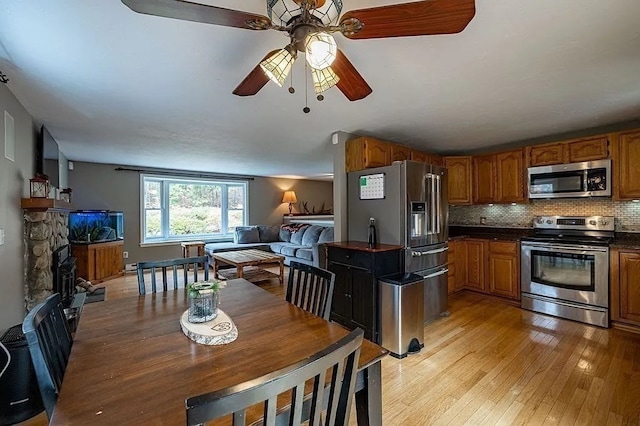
[300, 242]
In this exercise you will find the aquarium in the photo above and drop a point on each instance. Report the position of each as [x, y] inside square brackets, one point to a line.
[94, 226]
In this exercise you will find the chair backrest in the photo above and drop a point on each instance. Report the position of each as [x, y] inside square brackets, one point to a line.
[49, 340]
[188, 276]
[310, 288]
[340, 360]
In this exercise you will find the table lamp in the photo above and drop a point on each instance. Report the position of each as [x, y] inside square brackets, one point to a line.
[289, 197]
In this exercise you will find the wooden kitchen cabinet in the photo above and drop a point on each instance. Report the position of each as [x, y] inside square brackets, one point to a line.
[503, 269]
[546, 155]
[509, 177]
[625, 286]
[484, 175]
[626, 167]
[400, 153]
[456, 263]
[475, 250]
[365, 152]
[459, 180]
[99, 261]
[596, 148]
[419, 156]
[355, 295]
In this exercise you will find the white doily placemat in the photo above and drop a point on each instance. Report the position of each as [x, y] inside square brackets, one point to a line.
[219, 331]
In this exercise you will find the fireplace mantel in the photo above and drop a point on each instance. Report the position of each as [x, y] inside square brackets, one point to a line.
[44, 204]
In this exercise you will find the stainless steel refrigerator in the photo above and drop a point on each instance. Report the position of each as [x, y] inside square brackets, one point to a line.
[408, 201]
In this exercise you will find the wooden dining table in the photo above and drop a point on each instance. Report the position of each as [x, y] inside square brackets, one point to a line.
[131, 363]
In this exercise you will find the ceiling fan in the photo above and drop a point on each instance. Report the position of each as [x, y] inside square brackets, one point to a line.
[309, 24]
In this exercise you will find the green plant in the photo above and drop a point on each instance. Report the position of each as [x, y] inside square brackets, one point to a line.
[194, 289]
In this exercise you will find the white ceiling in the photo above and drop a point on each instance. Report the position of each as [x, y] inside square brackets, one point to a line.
[114, 86]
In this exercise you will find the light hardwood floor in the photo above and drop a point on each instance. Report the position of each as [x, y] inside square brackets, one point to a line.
[493, 363]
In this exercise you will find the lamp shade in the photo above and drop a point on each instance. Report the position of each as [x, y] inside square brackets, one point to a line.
[320, 50]
[278, 65]
[289, 197]
[324, 79]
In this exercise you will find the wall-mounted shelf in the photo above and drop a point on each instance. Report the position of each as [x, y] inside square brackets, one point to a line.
[44, 204]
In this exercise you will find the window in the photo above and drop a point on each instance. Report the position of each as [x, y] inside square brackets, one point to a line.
[183, 209]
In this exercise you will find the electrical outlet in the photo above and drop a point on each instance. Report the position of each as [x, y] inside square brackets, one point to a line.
[1, 236]
[125, 254]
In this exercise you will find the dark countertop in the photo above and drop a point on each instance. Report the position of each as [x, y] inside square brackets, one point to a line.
[626, 240]
[488, 232]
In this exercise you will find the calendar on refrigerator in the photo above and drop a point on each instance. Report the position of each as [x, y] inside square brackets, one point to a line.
[372, 187]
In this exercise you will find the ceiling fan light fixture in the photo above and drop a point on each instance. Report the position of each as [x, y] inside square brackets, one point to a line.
[282, 12]
[278, 65]
[324, 79]
[320, 49]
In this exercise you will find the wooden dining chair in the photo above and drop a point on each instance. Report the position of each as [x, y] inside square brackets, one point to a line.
[49, 339]
[332, 398]
[189, 275]
[310, 288]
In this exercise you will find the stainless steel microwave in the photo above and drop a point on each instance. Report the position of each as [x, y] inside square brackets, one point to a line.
[586, 179]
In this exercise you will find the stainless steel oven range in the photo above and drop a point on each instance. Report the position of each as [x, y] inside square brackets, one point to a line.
[565, 268]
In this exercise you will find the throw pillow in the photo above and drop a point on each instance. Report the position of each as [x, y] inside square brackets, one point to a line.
[296, 237]
[268, 234]
[311, 235]
[246, 234]
[326, 235]
[285, 234]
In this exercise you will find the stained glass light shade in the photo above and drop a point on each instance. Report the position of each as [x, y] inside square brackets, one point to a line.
[324, 79]
[320, 50]
[278, 66]
[282, 12]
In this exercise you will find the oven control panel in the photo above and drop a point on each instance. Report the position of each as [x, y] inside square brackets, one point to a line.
[593, 223]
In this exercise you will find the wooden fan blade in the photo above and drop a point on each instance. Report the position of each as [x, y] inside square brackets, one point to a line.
[351, 82]
[413, 19]
[180, 9]
[255, 81]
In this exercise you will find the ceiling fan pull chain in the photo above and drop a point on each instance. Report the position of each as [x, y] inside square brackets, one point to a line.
[306, 109]
[291, 88]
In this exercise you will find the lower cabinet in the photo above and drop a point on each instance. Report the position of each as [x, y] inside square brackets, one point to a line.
[98, 261]
[625, 286]
[355, 295]
[488, 266]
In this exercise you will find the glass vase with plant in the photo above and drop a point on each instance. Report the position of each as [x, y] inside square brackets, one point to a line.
[203, 300]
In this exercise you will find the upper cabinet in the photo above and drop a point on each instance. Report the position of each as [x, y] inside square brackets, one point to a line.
[484, 177]
[546, 155]
[596, 148]
[626, 153]
[573, 151]
[510, 177]
[400, 152]
[499, 178]
[459, 179]
[365, 153]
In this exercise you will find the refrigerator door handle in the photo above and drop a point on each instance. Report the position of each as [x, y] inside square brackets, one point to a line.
[440, 250]
[436, 274]
[438, 206]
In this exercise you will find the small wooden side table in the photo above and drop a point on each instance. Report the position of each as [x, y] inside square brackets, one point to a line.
[189, 248]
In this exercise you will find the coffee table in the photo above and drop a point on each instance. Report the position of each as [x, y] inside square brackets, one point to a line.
[251, 257]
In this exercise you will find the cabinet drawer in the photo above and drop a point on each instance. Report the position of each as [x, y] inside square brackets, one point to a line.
[508, 247]
[350, 257]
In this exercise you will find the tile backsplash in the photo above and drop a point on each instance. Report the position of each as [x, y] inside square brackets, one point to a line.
[626, 213]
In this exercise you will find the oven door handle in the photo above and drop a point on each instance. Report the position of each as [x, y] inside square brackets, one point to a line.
[565, 249]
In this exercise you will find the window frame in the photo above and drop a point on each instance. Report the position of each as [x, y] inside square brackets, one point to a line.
[165, 182]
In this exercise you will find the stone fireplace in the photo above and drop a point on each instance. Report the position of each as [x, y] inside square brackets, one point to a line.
[44, 232]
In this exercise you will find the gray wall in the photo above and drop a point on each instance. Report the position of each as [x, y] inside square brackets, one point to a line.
[99, 186]
[14, 185]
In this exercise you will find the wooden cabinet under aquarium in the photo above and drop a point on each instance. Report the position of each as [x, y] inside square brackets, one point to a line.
[97, 262]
